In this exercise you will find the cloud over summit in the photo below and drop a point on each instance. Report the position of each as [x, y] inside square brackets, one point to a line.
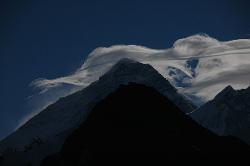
[198, 66]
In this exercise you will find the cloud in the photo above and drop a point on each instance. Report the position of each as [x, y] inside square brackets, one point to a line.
[218, 64]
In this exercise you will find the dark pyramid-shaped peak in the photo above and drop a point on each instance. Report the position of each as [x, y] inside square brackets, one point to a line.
[229, 88]
[127, 70]
[130, 67]
[126, 61]
[226, 93]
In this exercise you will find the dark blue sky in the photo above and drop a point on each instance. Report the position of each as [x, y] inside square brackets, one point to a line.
[49, 38]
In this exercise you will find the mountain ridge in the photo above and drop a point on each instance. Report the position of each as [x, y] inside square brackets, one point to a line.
[227, 114]
[138, 120]
[53, 124]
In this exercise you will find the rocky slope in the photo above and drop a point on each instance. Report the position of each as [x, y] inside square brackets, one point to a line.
[133, 124]
[227, 114]
[45, 133]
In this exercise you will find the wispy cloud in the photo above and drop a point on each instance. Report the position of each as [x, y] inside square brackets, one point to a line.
[220, 63]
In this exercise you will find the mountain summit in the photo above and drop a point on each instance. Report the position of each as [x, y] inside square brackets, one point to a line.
[52, 125]
[195, 65]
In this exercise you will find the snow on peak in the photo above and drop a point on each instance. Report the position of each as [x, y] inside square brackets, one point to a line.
[199, 66]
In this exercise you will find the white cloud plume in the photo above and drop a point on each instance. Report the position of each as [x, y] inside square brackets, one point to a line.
[198, 65]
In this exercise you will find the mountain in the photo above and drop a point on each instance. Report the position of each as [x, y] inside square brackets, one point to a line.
[131, 124]
[45, 133]
[227, 114]
[195, 65]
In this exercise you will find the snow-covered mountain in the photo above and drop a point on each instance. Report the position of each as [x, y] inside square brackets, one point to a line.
[199, 66]
[227, 114]
[45, 132]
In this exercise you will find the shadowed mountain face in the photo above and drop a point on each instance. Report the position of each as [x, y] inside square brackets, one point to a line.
[58, 120]
[133, 124]
[227, 114]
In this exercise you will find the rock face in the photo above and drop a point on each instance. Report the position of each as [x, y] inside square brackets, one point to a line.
[130, 125]
[45, 133]
[227, 114]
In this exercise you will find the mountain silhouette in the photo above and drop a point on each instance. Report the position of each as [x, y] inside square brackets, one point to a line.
[53, 124]
[136, 125]
[227, 114]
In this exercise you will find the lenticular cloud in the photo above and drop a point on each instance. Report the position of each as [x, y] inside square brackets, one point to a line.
[199, 66]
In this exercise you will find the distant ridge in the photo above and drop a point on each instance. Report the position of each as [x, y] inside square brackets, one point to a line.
[227, 114]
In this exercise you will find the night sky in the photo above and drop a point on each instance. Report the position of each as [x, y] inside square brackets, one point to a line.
[49, 38]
